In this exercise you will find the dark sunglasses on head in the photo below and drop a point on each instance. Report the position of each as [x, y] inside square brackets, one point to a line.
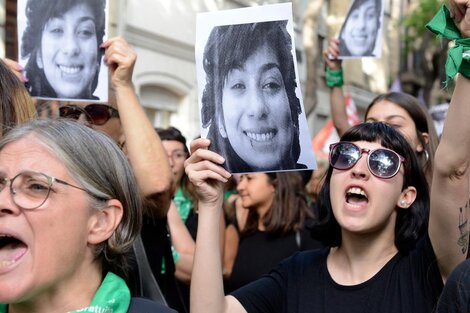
[96, 114]
[382, 162]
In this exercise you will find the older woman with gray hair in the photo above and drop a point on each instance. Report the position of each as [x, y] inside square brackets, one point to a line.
[70, 210]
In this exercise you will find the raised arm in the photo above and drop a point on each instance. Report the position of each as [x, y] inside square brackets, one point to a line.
[207, 291]
[337, 100]
[448, 225]
[184, 244]
[144, 148]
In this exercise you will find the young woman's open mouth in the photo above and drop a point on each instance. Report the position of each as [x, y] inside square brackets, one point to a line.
[356, 198]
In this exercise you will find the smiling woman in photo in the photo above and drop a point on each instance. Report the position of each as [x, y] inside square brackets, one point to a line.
[249, 102]
[62, 41]
[359, 33]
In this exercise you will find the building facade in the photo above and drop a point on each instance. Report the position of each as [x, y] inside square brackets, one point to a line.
[163, 34]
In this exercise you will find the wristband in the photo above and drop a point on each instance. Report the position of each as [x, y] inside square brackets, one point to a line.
[334, 78]
[458, 60]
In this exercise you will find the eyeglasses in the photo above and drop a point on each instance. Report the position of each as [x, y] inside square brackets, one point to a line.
[29, 190]
[96, 114]
[382, 163]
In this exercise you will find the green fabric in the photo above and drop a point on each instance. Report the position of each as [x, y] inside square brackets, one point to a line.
[458, 60]
[183, 204]
[113, 296]
[228, 193]
[176, 255]
[334, 78]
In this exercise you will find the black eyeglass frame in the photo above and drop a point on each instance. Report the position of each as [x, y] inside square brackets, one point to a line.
[369, 152]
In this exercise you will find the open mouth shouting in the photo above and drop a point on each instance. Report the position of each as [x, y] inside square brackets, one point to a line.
[12, 250]
[356, 198]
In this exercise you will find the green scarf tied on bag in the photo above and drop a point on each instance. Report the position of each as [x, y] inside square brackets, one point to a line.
[458, 60]
[113, 296]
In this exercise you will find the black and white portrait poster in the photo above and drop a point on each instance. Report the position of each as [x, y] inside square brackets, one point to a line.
[361, 33]
[249, 94]
[59, 48]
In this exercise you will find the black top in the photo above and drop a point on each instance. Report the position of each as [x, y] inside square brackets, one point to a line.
[157, 243]
[260, 252]
[141, 305]
[455, 297]
[302, 283]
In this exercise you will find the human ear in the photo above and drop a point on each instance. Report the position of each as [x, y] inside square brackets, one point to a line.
[104, 222]
[407, 197]
[39, 62]
[425, 137]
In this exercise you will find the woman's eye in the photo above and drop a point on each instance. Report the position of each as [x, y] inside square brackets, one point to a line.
[37, 187]
[271, 86]
[238, 86]
[85, 33]
[396, 126]
[354, 15]
[56, 31]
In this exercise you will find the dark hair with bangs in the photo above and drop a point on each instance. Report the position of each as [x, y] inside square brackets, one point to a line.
[411, 223]
[38, 13]
[289, 209]
[227, 48]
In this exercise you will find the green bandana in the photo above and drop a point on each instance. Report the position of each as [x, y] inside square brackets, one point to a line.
[113, 296]
[458, 60]
[183, 204]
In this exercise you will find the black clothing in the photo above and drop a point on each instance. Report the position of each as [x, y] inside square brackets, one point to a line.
[141, 305]
[302, 283]
[260, 252]
[157, 243]
[455, 297]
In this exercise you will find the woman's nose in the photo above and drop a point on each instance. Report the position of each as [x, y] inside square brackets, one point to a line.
[70, 45]
[257, 106]
[7, 205]
[360, 169]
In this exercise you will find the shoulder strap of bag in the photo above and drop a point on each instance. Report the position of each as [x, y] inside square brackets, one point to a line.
[148, 284]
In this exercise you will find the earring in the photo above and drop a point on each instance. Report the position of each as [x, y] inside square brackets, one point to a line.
[402, 203]
[426, 155]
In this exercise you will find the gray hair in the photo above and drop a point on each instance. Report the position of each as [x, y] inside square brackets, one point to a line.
[97, 163]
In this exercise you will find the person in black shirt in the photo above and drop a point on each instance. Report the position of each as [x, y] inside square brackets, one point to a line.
[381, 255]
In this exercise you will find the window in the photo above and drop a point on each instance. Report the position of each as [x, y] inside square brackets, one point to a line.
[160, 104]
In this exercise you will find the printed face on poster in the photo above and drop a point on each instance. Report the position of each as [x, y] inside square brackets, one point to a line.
[59, 48]
[249, 96]
[361, 33]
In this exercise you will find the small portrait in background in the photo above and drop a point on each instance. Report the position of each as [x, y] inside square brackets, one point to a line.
[249, 105]
[60, 48]
[360, 35]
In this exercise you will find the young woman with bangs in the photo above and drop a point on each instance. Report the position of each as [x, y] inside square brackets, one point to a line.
[390, 244]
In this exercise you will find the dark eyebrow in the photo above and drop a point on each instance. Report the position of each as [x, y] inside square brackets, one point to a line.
[268, 66]
[387, 119]
[86, 18]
